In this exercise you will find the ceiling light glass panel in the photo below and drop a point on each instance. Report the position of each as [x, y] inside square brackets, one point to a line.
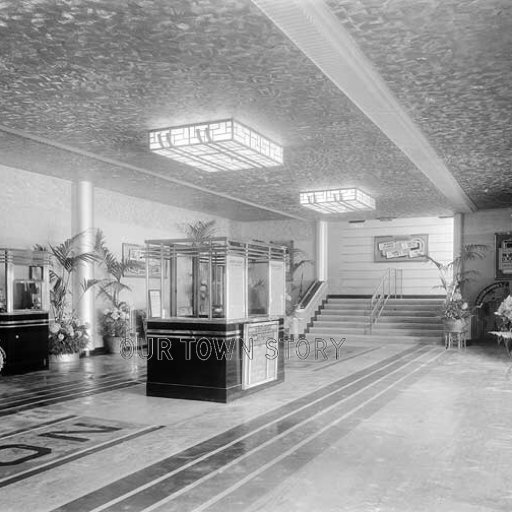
[337, 201]
[217, 146]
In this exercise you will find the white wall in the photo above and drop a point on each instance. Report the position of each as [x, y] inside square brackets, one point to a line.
[33, 209]
[352, 270]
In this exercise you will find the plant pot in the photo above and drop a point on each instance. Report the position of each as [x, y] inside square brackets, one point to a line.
[113, 344]
[64, 358]
[454, 324]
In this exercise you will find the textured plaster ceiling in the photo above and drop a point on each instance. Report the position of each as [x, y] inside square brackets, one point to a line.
[449, 63]
[96, 75]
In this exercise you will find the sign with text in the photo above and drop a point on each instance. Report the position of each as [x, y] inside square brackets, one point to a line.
[503, 255]
[259, 364]
[400, 248]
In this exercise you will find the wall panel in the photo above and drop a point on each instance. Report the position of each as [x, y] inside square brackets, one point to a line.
[352, 269]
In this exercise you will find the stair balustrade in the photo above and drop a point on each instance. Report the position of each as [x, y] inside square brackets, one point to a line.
[390, 285]
[307, 306]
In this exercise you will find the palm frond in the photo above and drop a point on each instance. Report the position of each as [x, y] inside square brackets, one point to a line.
[200, 231]
[107, 294]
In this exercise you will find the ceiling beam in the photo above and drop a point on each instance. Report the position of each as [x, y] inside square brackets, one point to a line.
[319, 34]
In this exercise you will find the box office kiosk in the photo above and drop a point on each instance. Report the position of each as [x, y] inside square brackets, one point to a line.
[215, 317]
[24, 305]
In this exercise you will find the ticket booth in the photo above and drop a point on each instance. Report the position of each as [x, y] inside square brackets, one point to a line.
[24, 306]
[215, 317]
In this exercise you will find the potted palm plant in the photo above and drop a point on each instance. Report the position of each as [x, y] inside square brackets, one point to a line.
[299, 259]
[453, 276]
[114, 320]
[68, 334]
[201, 233]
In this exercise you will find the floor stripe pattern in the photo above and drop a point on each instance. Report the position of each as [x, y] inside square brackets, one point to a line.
[236, 467]
[23, 392]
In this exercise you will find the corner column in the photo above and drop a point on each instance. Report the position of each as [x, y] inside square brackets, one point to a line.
[321, 250]
[83, 222]
[458, 227]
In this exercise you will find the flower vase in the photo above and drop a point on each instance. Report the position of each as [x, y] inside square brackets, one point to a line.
[457, 325]
[64, 358]
[113, 344]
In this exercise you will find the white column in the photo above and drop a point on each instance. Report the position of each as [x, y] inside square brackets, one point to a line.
[83, 222]
[458, 226]
[321, 250]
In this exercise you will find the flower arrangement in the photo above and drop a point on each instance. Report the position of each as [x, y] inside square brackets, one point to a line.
[456, 308]
[114, 321]
[68, 335]
[504, 324]
[504, 313]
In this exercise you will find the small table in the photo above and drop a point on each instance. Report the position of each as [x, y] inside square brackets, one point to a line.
[506, 337]
[450, 338]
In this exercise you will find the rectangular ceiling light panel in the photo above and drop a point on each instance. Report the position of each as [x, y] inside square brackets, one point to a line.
[337, 201]
[217, 146]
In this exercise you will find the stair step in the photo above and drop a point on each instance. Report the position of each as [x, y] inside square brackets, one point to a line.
[409, 319]
[334, 331]
[398, 325]
[427, 300]
[415, 313]
[373, 338]
[345, 300]
[411, 307]
[407, 332]
[341, 324]
[348, 307]
[333, 315]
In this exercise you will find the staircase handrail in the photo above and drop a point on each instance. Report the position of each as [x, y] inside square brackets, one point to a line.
[309, 295]
[390, 281]
[304, 311]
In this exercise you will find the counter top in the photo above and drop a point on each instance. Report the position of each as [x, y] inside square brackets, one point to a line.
[22, 312]
[209, 321]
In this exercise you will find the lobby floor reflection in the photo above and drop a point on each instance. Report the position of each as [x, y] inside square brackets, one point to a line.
[383, 428]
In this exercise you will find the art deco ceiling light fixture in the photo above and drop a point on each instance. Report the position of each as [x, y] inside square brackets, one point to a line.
[225, 145]
[337, 201]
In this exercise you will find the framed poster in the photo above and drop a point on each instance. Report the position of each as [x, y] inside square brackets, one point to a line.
[134, 255]
[503, 255]
[400, 248]
[258, 366]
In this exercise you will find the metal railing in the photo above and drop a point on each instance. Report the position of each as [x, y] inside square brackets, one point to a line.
[390, 285]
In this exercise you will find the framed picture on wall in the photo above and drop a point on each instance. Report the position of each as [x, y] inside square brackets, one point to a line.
[400, 248]
[134, 255]
[503, 255]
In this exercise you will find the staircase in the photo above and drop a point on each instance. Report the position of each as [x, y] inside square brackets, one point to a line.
[401, 320]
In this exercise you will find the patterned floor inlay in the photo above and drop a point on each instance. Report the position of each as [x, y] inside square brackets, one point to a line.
[224, 463]
[54, 443]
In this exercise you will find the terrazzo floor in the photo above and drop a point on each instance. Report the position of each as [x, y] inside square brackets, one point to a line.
[386, 427]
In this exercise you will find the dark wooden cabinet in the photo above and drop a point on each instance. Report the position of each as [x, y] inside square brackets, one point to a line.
[24, 338]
